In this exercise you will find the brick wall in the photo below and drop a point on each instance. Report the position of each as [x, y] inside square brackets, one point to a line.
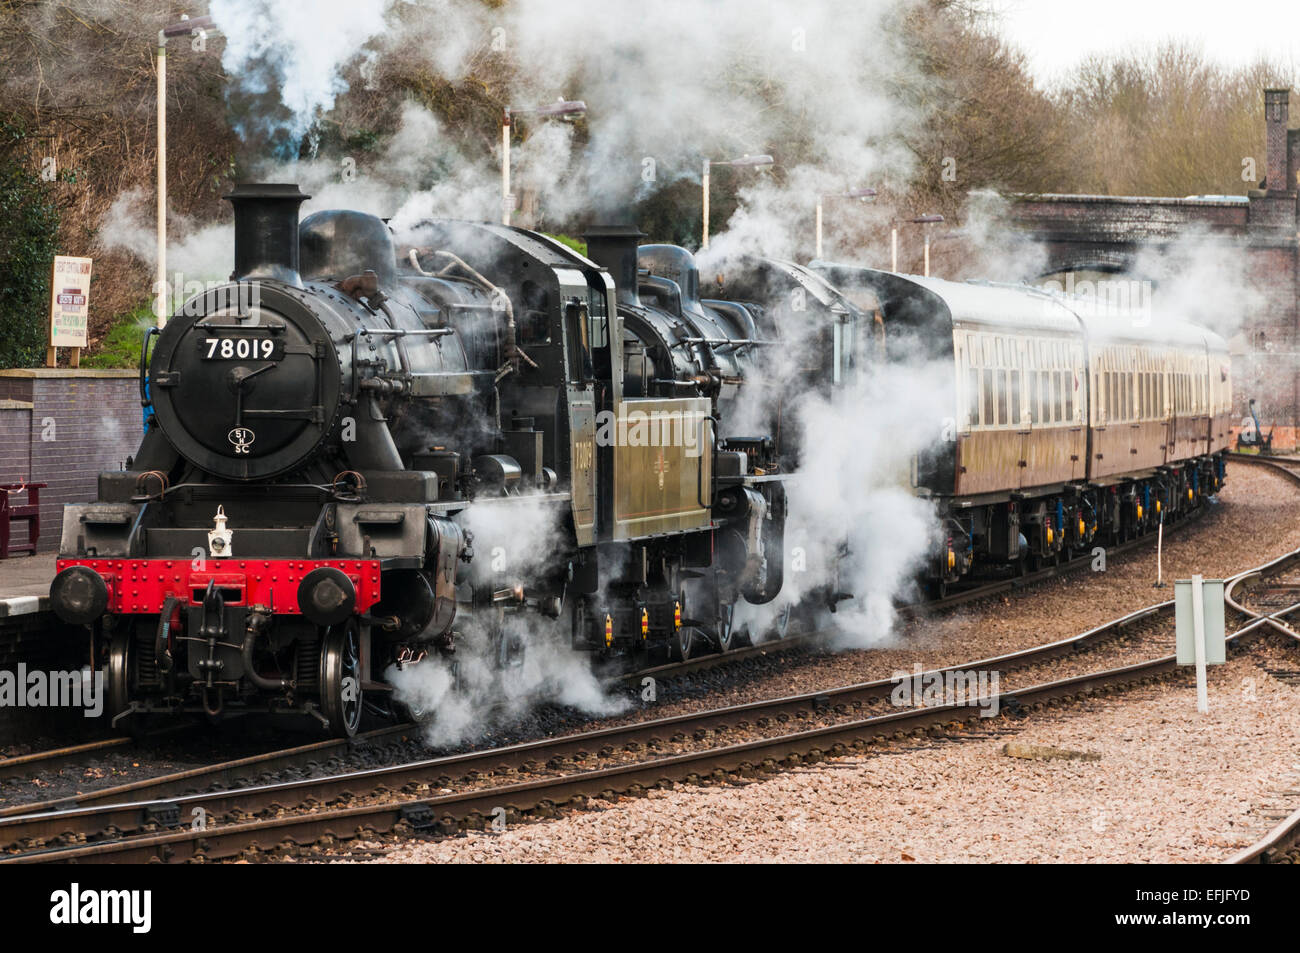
[80, 422]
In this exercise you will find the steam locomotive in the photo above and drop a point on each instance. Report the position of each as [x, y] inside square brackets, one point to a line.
[352, 447]
[294, 520]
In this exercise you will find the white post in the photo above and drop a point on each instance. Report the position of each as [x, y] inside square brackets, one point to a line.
[705, 243]
[1198, 634]
[893, 245]
[927, 251]
[161, 276]
[819, 227]
[505, 170]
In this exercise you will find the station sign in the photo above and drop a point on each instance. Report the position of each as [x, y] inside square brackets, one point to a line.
[70, 302]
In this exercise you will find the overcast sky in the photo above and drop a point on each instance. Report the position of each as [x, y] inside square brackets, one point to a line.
[1056, 34]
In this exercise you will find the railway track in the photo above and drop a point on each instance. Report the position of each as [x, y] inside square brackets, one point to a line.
[1269, 606]
[1287, 466]
[27, 764]
[227, 773]
[539, 777]
[131, 821]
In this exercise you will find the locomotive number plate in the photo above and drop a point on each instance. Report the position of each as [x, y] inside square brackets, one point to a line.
[242, 347]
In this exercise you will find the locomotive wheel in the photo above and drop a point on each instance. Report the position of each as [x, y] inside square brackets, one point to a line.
[340, 678]
[121, 653]
[781, 625]
[724, 636]
[681, 644]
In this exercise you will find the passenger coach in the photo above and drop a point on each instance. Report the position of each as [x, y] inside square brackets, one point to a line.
[1068, 429]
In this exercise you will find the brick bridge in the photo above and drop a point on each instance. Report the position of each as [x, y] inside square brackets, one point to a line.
[1110, 234]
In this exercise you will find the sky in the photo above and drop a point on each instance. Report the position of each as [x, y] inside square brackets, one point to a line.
[1057, 34]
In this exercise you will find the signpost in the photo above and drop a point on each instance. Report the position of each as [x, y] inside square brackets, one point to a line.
[1199, 627]
[69, 308]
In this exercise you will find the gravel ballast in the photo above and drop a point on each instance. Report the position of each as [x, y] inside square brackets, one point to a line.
[1169, 786]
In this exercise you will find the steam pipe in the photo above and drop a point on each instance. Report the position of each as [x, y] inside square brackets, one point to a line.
[513, 352]
[256, 621]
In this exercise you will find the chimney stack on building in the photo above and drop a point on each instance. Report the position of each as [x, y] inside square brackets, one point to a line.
[1276, 109]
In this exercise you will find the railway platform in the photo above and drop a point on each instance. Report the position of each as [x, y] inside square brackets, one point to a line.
[25, 584]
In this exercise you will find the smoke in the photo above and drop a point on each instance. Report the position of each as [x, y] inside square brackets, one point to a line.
[467, 697]
[667, 85]
[987, 246]
[1202, 279]
[285, 61]
[855, 525]
[507, 662]
[677, 81]
[194, 252]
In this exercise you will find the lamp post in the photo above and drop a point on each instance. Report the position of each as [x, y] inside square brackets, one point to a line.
[568, 110]
[186, 25]
[927, 221]
[742, 162]
[862, 194]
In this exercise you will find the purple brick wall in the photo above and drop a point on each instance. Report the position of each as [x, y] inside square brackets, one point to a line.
[80, 423]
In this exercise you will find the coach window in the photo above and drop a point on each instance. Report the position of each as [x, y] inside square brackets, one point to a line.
[988, 398]
[1069, 396]
[973, 397]
[1015, 397]
[1002, 394]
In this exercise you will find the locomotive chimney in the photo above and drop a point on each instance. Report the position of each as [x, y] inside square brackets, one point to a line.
[613, 247]
[266, 230]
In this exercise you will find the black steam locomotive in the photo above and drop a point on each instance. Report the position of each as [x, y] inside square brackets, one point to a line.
[295, 520]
